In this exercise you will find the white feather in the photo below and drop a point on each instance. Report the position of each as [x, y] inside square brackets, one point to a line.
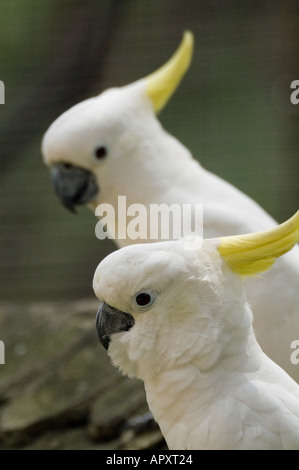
[148, 165]
[208, 383]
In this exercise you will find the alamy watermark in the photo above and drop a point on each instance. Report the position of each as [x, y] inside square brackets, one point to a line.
[2, 352]
[295, 354]
[295, 94]
[153, 222]
[2, 92]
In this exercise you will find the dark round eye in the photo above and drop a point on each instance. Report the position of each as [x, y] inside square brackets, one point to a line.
[100, 152]
[144, 298]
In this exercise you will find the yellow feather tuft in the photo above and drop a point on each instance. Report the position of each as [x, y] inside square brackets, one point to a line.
[162, 83]
[253, 253]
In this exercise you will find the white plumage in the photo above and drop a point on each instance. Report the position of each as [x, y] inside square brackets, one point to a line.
[113, 145]
[176, 316]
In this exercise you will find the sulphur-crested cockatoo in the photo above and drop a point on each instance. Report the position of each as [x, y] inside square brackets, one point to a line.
[175, 315]
[113, 145]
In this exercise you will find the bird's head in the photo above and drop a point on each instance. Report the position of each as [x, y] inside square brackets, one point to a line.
[174, 302]
[95, 144]
[150, 294]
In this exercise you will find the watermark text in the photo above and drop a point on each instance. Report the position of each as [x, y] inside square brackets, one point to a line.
[2, 92]
[152, 222]
[2, 352]
[295, 353]
[295, 94]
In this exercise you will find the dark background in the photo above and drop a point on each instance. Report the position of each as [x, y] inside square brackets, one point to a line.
[232, 110]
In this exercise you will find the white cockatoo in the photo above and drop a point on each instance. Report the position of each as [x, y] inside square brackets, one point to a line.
[174, 314]
[113, 145]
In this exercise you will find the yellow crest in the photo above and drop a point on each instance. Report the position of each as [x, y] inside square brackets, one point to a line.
[254, 253]
[160, 85]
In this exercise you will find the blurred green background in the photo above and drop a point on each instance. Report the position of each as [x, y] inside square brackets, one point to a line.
[232, 110]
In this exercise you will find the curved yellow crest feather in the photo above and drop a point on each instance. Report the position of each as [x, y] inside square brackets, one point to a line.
[162, 83]
[254, 253]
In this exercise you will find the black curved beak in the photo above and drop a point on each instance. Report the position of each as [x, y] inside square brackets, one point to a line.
[110, 320]
[73, 185]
